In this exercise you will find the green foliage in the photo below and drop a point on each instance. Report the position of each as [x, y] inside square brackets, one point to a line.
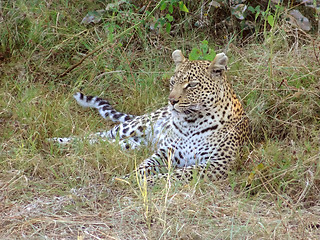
[170, 5]
[203, 52]
[270, 15]
[256, 11]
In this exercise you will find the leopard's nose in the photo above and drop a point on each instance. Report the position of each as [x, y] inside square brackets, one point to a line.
[173, 101]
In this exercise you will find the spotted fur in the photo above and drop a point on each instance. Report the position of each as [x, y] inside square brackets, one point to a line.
[198, 133]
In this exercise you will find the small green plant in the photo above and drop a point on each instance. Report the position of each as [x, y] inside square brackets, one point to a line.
[269, 16]
[256, 11]
[166, 20]
[203, 52]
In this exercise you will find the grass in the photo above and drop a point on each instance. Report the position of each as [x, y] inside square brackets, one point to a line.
[48, 191]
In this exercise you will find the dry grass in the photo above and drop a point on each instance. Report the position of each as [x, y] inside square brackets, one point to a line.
[99, 211]
[54, 192]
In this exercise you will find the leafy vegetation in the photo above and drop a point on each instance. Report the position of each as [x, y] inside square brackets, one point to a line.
[47, 53]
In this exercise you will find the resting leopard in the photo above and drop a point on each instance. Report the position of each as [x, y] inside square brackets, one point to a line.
[198, 133]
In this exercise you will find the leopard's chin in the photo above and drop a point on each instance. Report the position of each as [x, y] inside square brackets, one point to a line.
[191, 110]
[174, 109]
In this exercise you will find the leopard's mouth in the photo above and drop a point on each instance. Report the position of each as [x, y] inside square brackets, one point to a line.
[187, 110]
[174, 109]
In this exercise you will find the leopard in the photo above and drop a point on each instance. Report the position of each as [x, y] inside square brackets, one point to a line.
[198, 133]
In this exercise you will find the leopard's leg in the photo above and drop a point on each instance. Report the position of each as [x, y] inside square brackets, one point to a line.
[132, 143]
[213, 170]
[127, 143]
[153, 165]
[163, 165]
[131, 134]
[92, 138]
[103, 106]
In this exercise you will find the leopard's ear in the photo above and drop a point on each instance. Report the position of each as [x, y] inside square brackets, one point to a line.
[178, 57]
[218, 64]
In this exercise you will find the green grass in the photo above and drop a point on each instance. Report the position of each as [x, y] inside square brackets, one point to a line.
[50, 191]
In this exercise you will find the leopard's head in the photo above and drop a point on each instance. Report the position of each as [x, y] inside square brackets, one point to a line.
[195, 84]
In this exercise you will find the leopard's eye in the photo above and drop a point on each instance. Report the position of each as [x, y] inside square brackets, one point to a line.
[172, 82]
[192, 84]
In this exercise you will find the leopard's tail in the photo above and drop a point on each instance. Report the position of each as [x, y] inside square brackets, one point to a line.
[103, 106]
